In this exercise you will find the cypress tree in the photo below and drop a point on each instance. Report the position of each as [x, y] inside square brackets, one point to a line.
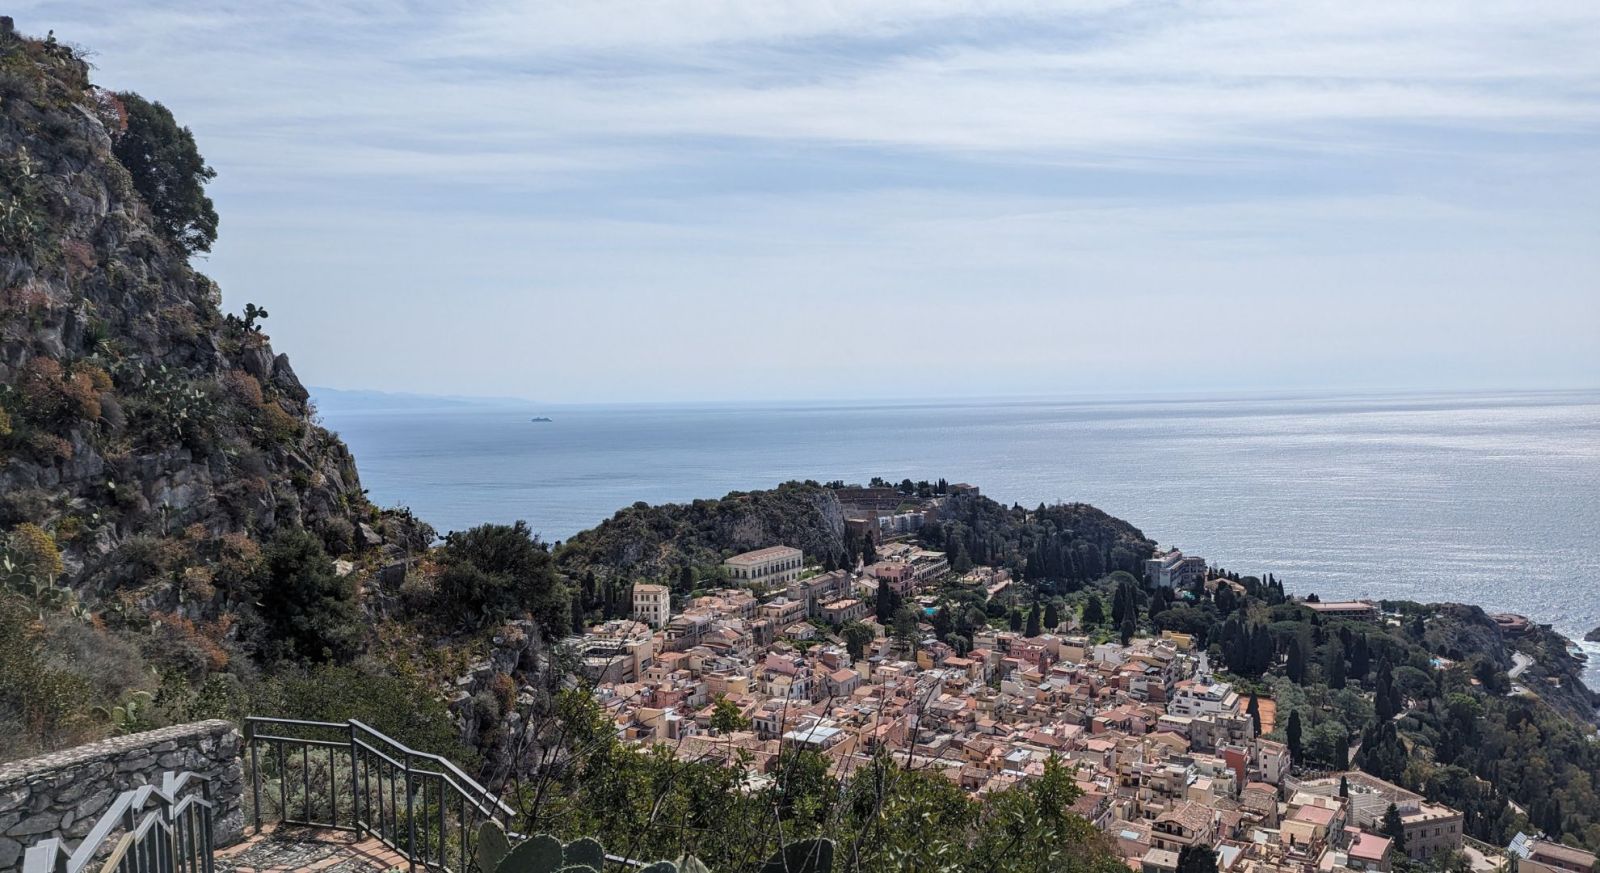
[1292, 734]
[1052, 616]
[577, 614]
[1094, 612]
[1033, 621]
[1335, 666]
[1297, 662]
[1360, 659]
[1395, 829]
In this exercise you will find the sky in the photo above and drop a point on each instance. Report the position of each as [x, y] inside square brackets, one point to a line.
[796, 199]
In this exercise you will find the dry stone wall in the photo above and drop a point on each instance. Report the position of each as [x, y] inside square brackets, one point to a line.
[63, 794]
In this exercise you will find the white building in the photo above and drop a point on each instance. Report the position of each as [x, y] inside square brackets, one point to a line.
[1203, 695]
[773, 567]
[652, 604]
[1173, 569]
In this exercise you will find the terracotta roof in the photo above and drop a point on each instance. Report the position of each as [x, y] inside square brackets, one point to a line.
[1369, 847]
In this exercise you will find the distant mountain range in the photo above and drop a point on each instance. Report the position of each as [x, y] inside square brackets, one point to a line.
[337, 400]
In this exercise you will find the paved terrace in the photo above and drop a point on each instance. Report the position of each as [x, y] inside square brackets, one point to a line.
[288, 849]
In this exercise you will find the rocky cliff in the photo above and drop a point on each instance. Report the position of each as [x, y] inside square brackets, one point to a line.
[141, 428]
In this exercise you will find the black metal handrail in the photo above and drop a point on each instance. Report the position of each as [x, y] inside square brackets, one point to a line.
[162, 830]
[419, 804]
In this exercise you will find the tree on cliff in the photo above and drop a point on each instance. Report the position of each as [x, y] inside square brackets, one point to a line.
[496, 571]
[168, 172]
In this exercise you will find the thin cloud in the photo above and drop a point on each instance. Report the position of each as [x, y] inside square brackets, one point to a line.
[1045, 174]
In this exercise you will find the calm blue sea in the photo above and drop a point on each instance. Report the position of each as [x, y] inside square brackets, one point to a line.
[1491, 499]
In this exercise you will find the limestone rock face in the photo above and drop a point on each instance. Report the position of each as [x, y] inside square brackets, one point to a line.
[132, 409]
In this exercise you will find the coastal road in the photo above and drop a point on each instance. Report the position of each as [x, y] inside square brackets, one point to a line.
[1519, 663]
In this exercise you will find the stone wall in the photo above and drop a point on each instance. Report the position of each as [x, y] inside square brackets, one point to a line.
[63, 794]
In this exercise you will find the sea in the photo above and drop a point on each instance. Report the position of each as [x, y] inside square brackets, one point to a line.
[1491, 499]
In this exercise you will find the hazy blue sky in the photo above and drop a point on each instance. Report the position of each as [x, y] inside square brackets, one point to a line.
[841, 198]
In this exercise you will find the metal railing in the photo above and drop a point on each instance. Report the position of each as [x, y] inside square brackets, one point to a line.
[152, 829]
[347, 776]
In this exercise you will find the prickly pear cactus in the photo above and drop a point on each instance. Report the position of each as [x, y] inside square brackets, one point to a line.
[492, 846]
[586, 852]
[543, 853]
[540, 853]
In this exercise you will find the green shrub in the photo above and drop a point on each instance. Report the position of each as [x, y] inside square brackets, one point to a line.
[308, 612]
[495, 571]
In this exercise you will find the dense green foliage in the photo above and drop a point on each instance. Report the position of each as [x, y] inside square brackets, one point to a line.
[310, 612]
[661, 542]
[1426, 696]
[648, 803]
[1057, 548]
[168, 172]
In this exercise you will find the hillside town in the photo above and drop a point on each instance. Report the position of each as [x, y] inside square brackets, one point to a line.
[1168, 756]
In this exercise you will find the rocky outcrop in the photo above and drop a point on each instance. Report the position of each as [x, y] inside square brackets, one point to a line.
[1592, 636]
[653, 541]
[131, 408]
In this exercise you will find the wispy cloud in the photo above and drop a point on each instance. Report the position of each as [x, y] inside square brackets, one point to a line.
[1023, 164]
